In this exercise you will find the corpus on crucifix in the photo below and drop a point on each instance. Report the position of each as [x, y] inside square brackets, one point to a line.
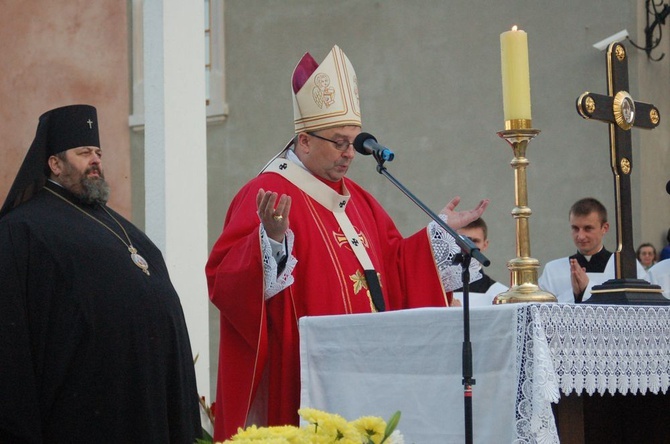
[622, 113]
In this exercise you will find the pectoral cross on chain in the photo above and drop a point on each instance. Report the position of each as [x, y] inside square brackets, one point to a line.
[622, 113]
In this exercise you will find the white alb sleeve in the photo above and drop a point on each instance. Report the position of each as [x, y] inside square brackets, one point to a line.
[444, 249]
[275, 282]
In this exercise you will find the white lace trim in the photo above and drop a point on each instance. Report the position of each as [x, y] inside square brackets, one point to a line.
[444, 249]
[273, 283]
[566, 347]
[536, 387]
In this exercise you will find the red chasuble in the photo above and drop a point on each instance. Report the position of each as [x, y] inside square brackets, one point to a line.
[259, 343]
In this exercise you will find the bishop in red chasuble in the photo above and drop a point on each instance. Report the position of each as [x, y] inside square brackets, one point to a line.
[301, 239]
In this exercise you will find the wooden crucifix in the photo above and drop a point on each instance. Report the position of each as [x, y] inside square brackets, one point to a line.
[622, 113]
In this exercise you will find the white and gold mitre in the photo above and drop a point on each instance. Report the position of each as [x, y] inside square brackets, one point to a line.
[325, 95]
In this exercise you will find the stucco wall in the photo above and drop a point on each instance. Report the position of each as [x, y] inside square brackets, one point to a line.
[653, 168]
[430, 85]
[63, 52]
[429, 76]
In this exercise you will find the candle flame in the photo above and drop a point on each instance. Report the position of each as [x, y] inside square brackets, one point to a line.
[514, 28]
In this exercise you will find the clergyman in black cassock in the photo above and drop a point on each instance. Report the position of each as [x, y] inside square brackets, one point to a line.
[93, 340]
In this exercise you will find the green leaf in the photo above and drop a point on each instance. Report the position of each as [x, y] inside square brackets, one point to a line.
[391, 425]
[207, 436]
[206, 439]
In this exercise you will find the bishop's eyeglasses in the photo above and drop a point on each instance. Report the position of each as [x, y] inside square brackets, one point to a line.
[340, 145]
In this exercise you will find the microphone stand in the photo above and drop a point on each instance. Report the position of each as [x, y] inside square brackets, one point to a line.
[468, 381]
[468, 251]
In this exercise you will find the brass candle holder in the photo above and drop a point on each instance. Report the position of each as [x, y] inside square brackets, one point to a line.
[523, 268]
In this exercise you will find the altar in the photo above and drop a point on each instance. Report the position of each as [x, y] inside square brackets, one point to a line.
[524, 357]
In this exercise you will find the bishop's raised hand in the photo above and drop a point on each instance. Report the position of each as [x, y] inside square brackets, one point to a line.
[273, 211]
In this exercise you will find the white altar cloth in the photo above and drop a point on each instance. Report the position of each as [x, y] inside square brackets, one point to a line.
[410, 360]
[375, 364]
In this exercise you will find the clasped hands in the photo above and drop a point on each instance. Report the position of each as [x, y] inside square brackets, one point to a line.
[578, 278]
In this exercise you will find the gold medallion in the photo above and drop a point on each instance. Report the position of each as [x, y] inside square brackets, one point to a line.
[139, 260]
[620, 53]
[590, 105]
[624, 110]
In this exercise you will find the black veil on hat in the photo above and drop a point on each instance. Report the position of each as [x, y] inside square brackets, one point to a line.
[58, 130]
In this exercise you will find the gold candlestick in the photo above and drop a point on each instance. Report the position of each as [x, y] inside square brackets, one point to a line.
[523, 268]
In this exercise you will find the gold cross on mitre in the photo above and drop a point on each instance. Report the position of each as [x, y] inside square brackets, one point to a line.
[622, 113]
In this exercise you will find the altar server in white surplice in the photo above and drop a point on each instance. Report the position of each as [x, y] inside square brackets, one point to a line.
[659, 274]
[484, 289]
[570, 279]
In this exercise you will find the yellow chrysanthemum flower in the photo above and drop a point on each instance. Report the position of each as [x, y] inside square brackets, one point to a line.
[278, 434]
[322, 428]
[372, 427]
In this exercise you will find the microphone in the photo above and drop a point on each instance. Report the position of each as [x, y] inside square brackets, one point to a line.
[366, 144]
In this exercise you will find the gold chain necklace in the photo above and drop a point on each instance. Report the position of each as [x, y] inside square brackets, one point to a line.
[136, 258]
